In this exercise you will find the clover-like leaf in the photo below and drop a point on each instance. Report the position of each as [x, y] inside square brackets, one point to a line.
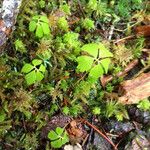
[35, 72]
[27, 68]
[45, 28]
[39, 76]
[92, 49]
[35, 18]
[59, 130]
[42, 68]
[57, 143]
[104, 52]
[105, 63]
[31, 77]
[39, 31]
[52, 135]
[84, 63]
[96, 60]
[65, 138]
[36, 62]
[44, 19]
[32, 26]
[40, 25]
[96, 71]
[58, 137]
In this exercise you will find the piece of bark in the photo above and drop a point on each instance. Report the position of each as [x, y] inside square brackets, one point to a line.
[135, 90]
[8, 15]
[106, 79]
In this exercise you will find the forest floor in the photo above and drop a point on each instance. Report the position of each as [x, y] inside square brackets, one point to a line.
[74, 75]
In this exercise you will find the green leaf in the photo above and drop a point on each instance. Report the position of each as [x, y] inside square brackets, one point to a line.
[65, 139]
[44, 19]
[27, 68]
[56, 144]
[2, 116]
[92, 49]
[39, 31]
[31, 77]
[52, 135]
[36, 62]
[35, 18]
[42, 68]
[32, 26]
[39, 76]
[59, 131]
[84, 63]
[96, 71]
[144, 104]
[104, 52]
[105, 63]
[45, 28]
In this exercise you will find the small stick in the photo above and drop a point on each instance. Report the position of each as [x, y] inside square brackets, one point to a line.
[111, 32]
[80, 7]
[98, 131]
[83, 143]
[123, 39]
[106, 79]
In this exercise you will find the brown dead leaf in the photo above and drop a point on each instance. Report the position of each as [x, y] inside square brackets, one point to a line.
[76, 132]
[143, 30]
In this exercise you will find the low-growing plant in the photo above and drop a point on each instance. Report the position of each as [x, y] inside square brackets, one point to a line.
[58, 137]
[144, 104]
[34, 72]
[88, 24]
[63, 24]
[42, 3]
[96, 110]
[115, 109]
[71, 41]
[20, 47]
[39, 25]
[95, 61]
[65, 8]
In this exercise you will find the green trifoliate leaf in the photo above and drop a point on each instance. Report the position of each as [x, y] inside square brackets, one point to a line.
[96, 71]
[65, 139]
[52, 135]
[45, 28]
[32, 26]
[44, 19]
[35, 18]
[59, 130]
[92, 49]
[105, 63]
[104, 52]
[39, 76]
[31, 77]
[36, 62]
[42, 68]
[57, 143]
[27, 68]
[39, 31]
[84, 63]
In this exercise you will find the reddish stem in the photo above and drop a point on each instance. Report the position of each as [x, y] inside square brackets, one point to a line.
[98, 131]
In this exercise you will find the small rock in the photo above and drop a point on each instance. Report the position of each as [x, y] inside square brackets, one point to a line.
[71, 147]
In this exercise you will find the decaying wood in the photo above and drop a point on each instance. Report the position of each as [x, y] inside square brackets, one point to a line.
[135, 90]
[106, 79]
